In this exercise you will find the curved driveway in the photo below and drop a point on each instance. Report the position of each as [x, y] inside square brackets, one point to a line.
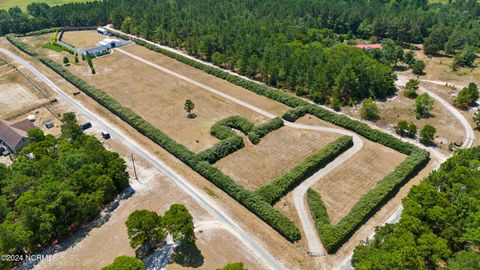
[469, 134]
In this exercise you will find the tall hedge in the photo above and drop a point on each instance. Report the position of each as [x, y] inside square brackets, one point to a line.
[231, 142]
[279, 187]
[334, 236]
[264, 211]
[21, 45]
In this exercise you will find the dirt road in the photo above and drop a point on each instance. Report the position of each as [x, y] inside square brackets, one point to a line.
[199, 196]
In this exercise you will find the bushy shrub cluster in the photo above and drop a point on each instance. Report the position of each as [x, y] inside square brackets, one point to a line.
[335, 235]
[264, 211]
[279, 187]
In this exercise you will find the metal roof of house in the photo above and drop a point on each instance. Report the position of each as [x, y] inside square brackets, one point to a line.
[107, 41]
[101, 29]
[12, 134]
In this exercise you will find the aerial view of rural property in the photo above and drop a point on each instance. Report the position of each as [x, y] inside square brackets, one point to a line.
[239, 134]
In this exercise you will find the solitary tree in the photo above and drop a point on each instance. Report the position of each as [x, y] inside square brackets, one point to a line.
[423, 106]
[411, 88]
[189, 106]
[418, 67]
[427, 134]
[476, 119]
[76, 58]
[369, 110]
[65, 60]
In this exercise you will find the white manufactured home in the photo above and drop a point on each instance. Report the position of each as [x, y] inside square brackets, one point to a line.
[102, 31]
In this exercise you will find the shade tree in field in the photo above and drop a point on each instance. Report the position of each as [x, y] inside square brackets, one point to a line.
[411, 88]
[467, 96]
[144, 229]
[418, 67]
[369, 110]
[427, 134]
[423, 106]
[189, 106]
[406, 129]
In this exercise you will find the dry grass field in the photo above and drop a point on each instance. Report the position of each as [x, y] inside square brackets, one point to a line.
[82, 39]
[256, 165]
[16, 97]
[342, 188]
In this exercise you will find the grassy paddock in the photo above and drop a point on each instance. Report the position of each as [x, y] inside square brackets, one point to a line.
[6, 4]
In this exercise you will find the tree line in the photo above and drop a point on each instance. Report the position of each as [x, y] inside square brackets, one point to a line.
[288, 44]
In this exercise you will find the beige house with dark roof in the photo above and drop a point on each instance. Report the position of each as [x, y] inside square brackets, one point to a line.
[14, 135]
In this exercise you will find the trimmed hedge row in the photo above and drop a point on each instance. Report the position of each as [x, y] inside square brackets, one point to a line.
[334, 236]
[230, 141]
[262, 130]
[264, 211]
[19, 44]
[279, 187]
[254, 203]
[353, 125]
[42, 32]
[221, 149]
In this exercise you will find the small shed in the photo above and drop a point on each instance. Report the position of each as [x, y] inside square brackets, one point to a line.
[102, 31]
[48, 123]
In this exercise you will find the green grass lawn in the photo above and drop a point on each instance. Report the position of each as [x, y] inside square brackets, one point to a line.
[6, 4]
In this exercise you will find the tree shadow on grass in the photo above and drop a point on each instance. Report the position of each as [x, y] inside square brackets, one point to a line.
[188, 255]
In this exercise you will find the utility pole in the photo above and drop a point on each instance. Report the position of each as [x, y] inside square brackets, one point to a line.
[134, 169]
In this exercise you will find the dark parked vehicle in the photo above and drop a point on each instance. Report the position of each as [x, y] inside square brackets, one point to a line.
[86, 125]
